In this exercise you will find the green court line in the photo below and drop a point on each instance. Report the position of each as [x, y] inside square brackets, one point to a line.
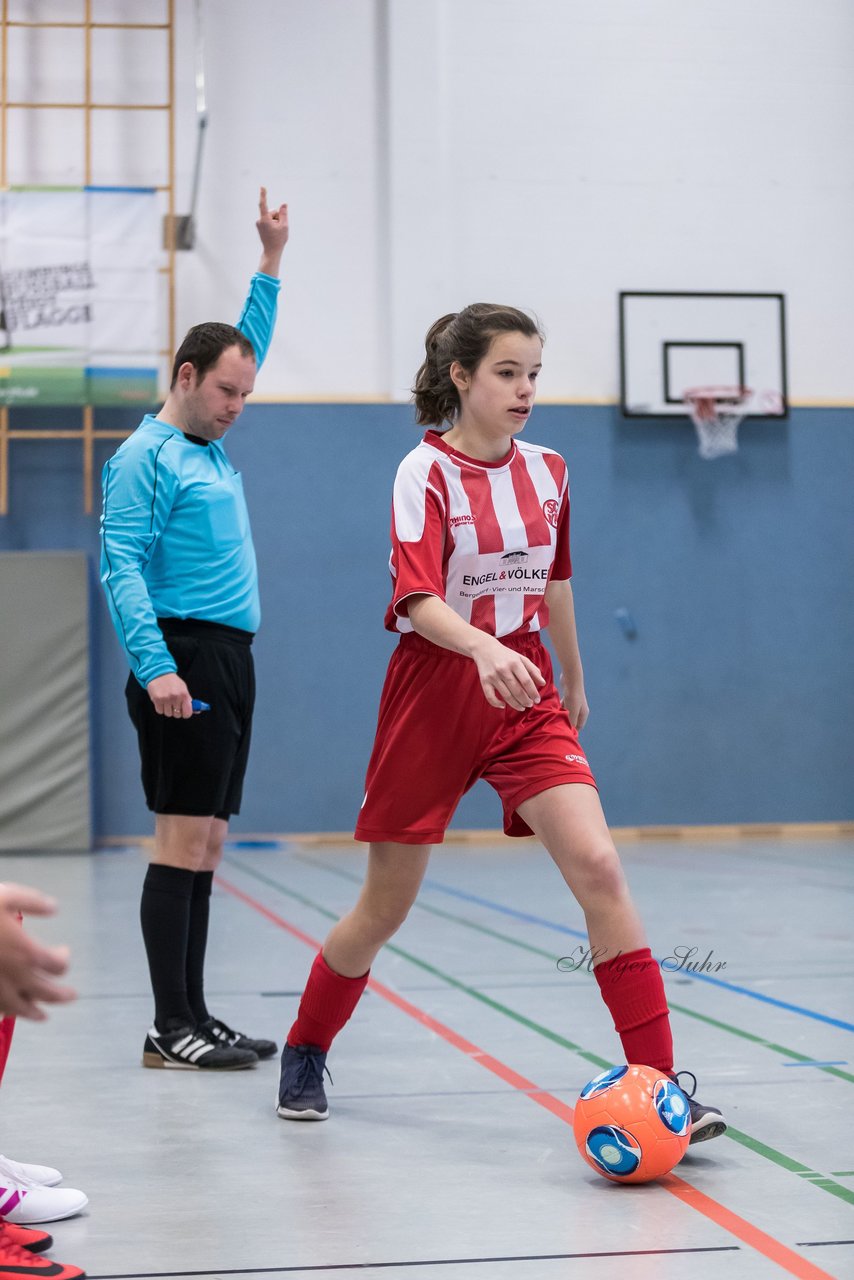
[752, 1144]
[792, 1054]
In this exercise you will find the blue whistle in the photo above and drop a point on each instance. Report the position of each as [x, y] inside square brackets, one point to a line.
[198, 705]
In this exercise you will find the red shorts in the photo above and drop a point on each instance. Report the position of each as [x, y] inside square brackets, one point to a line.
[437, 734]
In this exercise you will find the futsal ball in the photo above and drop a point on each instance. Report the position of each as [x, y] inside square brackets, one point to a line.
[632, 1124]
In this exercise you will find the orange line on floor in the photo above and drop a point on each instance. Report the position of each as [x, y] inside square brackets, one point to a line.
[743, 1230]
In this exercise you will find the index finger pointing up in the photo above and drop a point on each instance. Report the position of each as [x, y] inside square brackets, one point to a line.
[262, 202]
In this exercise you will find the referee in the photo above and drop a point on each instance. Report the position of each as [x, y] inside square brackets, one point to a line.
[179, 572]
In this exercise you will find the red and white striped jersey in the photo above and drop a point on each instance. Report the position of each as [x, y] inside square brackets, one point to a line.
[485, 537]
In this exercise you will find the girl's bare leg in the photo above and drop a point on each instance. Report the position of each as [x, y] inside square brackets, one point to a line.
[395, 872]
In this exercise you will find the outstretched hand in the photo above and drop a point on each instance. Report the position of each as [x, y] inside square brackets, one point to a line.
[273, 230]
[27, 968]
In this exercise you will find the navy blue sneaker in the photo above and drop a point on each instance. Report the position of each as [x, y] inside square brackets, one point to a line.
[301, 1093]
[706, 1122]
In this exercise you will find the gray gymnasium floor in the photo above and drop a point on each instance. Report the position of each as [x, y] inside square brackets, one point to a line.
[448, 1154]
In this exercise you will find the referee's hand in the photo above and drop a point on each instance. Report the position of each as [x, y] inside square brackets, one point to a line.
[170, 696]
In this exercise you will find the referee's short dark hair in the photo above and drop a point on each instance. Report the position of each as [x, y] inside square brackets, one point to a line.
[204, 345]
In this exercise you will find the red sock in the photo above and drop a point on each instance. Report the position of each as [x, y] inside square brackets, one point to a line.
[633, 990]
[7, 1029]
[327, 1002]
[7, 1026]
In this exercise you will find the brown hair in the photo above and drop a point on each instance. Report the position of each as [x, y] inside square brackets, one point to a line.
[464, 336]
[205, 343]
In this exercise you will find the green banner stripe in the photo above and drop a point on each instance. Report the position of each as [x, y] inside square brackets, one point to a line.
[753, 1144]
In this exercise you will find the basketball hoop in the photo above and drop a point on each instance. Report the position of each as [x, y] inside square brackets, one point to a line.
[717, 413]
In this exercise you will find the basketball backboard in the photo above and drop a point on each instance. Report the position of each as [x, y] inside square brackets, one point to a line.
[671, 342]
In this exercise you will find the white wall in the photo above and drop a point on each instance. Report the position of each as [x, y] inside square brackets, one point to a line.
[292, 101]
[547, 154]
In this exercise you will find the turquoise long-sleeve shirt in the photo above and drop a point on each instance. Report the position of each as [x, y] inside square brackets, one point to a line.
[175, 535]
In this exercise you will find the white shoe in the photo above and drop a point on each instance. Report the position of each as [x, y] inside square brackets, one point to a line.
[24, 1202]
[42, 1174]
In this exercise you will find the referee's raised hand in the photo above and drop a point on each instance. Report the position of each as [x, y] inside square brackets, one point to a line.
[273, 230]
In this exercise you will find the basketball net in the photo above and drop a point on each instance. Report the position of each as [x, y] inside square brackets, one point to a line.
[717, 413]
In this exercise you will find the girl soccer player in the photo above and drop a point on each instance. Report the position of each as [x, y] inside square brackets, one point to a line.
[480, 566]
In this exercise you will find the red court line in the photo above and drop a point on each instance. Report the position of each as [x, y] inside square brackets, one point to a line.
[743, 1230]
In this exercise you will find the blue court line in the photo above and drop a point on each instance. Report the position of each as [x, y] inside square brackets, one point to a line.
[231, 845]
[508, 911]
[698, 977]
[842, 1062]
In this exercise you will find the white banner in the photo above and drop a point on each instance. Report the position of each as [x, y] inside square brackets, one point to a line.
[79, 294]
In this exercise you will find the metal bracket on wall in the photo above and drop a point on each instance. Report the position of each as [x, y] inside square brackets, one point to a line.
[179, 229]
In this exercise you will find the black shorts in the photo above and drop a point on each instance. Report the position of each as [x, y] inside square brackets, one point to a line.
[196, 767]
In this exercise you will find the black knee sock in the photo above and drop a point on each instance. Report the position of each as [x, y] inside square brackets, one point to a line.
[165, 917]
[197, 944]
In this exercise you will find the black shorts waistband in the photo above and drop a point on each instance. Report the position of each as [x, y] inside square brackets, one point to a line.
[201, 627]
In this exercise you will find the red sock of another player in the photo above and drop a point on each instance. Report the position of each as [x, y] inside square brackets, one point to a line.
[633, 990]
[7, 1027]
[327, 1003]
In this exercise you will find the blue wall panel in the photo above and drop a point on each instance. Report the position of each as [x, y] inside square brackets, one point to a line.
[733, 702]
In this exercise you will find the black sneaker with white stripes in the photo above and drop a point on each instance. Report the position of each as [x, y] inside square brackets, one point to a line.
[193, 1049]
[223, 1034]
